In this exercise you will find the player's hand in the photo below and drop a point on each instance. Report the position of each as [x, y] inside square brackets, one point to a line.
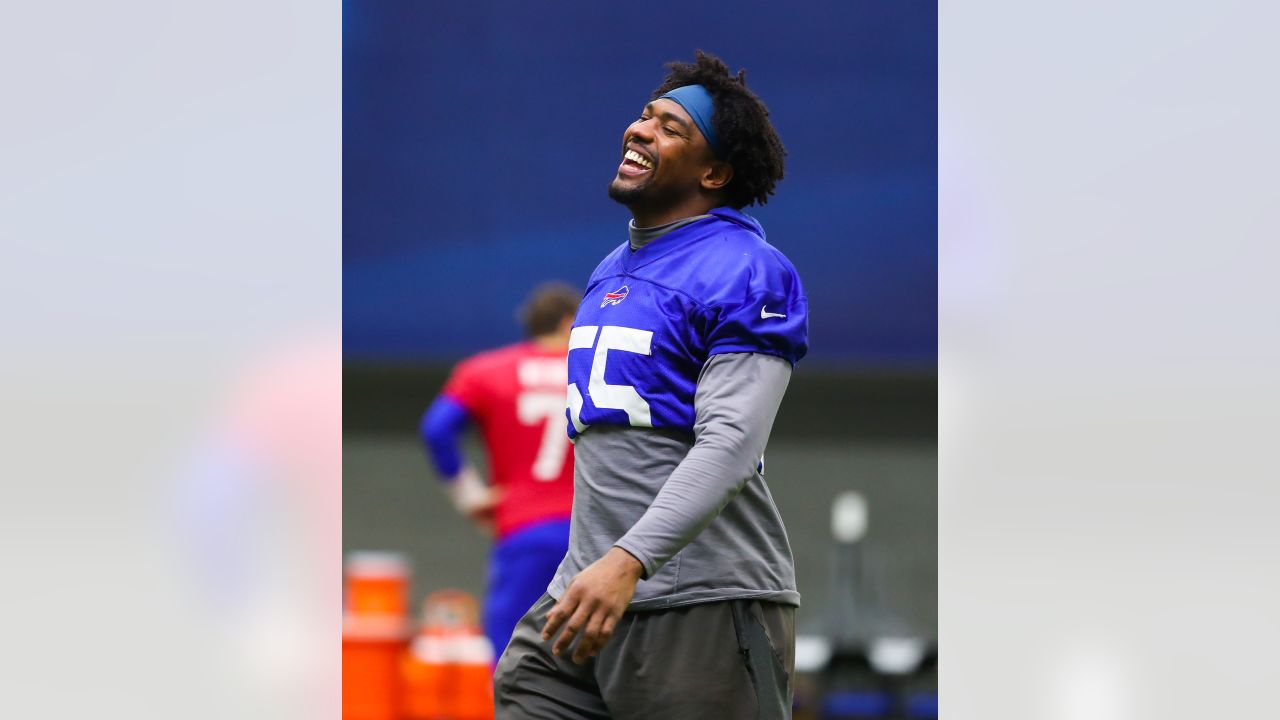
[483, 515]
[593, 603]
[474, 498]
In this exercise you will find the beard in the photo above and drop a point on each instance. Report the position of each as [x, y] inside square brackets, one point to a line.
[628, 195]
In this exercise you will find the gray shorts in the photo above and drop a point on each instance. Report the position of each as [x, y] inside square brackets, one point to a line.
[732, 659]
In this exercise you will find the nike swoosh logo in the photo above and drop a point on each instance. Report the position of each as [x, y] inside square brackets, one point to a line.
[766, 315]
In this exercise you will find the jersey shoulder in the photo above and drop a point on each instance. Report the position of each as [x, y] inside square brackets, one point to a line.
[735, 263]
[755, 299]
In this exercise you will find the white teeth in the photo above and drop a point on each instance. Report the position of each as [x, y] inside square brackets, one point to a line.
[638, 159]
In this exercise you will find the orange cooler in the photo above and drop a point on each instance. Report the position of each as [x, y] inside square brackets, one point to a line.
[374, 635]
[447, 671]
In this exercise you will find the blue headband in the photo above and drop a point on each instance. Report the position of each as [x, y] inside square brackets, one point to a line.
[697, 102]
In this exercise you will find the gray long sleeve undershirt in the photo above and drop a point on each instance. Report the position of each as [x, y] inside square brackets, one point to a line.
[735, 404]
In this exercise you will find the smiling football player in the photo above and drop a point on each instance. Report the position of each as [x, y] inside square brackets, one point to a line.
[677, 596]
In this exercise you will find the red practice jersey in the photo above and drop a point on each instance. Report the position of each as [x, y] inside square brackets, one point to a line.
[516, 395]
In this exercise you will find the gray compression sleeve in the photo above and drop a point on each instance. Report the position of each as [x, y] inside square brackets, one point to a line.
[735, 404]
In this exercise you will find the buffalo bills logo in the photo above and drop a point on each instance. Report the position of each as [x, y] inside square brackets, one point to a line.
[615, 297]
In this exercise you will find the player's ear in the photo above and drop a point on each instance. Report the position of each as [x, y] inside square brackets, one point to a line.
[717, 175]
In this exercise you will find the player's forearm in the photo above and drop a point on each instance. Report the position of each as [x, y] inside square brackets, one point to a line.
[441, 431]
[737, 400]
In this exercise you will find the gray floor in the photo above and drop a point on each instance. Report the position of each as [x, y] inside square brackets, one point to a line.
[391, 502]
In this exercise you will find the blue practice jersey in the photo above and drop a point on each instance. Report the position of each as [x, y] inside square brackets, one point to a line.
[651, 318]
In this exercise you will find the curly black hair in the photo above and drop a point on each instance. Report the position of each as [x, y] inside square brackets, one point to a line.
[748, 141]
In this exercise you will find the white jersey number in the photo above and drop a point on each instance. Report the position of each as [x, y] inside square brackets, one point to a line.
[544, 407]
[604, 395]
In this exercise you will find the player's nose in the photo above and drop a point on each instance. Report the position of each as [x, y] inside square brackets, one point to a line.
[640, 131]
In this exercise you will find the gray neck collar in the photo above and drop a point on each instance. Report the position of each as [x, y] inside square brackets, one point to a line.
[643, 236]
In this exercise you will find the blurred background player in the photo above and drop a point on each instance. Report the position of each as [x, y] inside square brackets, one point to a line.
[515, 395]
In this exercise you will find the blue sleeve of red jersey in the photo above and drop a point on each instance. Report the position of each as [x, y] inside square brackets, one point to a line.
[441, 429]
[766, 313]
